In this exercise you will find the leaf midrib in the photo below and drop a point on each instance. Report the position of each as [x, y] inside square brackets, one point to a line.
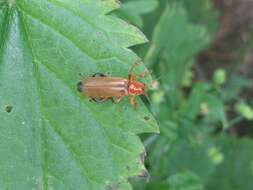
[45, 158]
[43, 150]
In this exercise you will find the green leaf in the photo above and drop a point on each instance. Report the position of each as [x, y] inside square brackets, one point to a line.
[169, 36]
[182, 164]
[173, 49]
[132, 10]
[235, 85]
[191, 109]
[205, 102]
[236, 171]
[51, 136]
[215, 110]
[185, 181]
[203, 12]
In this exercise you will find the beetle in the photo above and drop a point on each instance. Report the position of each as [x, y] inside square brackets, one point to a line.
[101, 87]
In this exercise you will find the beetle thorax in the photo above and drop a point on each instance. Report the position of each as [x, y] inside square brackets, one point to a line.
[136, 88]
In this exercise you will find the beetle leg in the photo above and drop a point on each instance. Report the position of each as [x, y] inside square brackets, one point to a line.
[117, 99]
[136, 106]
[131, 76]
[79, 87]
[81, 75]
[99, 75]
[134, 103]
[132, 100]
[132, 68]
[99, 100]
[142, 74]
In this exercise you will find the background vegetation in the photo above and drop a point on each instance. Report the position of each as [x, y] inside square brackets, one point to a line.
[200, 52]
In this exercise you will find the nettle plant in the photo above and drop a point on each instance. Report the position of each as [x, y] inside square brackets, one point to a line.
[51, 136]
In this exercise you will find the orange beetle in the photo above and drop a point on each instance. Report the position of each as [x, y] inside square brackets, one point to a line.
[101, 87]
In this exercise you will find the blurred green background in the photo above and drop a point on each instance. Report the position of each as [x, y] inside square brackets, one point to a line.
[201, 55]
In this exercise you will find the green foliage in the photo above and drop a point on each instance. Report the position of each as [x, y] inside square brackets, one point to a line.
[132, 10]
[184, 181]
[245, 110]
[196, 112]
[220, 77]
[236, 171]
[51, 136]
[171, 46]
[202, 12]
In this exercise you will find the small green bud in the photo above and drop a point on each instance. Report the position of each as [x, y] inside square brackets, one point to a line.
[157, 97]
[215, 155]
[245, 110]
[187, 80]
[204, 110]
[220, 77]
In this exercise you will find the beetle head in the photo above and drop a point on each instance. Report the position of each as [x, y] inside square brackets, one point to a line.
[136, 88]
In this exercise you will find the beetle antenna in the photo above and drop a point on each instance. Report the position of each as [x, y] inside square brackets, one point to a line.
[147, 97]
[81, 75]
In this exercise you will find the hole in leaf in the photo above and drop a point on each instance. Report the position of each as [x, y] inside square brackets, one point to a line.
[8, 109]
